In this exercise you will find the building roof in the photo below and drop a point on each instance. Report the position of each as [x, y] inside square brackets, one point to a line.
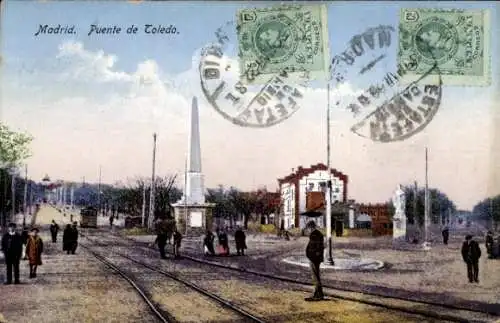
[302, 172]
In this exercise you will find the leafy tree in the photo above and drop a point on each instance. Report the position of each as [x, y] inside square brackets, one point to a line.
[245, 203]
[224, 208]
[439, 207]
[488, 210]
[14, 147]
[266, 203]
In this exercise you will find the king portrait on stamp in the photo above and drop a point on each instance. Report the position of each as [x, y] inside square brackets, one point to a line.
[458, 40]
[291, 38]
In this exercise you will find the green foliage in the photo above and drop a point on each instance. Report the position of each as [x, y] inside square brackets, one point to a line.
[231, 202]
[128, 198]
[439, 207]
[14, 147]
[488, 209]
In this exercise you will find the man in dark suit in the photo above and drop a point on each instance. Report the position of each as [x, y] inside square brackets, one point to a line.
[12, 247]
[73, 238]
[471, 254]
[240, 239]
[54, 229]
[489, 242]
[446, 235]
[315, 253]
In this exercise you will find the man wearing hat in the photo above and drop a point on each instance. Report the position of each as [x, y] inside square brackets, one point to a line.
[12, 247]
[74, 238]
[471, 254]
[34, 249]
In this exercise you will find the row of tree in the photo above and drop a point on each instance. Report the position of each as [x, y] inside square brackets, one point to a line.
[230, 203]
[440, 205]
[488, 210]
[14, 149]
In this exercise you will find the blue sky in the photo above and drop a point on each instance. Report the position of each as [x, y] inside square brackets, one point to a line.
[104, 117]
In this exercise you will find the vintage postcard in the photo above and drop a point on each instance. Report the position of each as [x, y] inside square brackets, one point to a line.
[240, 161]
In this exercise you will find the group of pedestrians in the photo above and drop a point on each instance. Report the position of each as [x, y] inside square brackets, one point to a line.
[70, 238]
[163, 236]
[12, 246]
[28, 245]
[223, 242]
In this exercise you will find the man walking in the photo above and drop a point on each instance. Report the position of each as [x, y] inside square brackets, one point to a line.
[161, 237]
[12, 247]
[54, 229]
[177, 243]
[446, 235]
[73, 238]
[208, 243]
[471, 254]
[314, 252]
[111, 219]
[489, 244]
[240, 239]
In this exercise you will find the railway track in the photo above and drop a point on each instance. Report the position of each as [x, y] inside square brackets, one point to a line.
[161, 315]
[238, 314]
[427, 309]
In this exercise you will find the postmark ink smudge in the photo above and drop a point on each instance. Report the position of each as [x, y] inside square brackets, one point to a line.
[386, 112]
[255, 106]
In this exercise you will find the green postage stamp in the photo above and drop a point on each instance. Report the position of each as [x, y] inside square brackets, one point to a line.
[456, 41]
[288, 39]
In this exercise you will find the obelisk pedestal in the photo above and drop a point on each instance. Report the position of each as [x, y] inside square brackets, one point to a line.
[193, 215]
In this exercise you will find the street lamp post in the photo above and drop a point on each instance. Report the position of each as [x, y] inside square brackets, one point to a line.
[426, 245]
[13, 191]
[328, 198]
[152, 191]
[99, 191]
[25, 200]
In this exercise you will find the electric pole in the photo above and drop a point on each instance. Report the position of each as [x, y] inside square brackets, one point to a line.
[99, 191]
[328, 194]
[25, 200]
[143, 213]
[152, 191]
[426, 212]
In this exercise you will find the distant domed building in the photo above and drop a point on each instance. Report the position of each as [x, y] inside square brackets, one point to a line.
[46, 180]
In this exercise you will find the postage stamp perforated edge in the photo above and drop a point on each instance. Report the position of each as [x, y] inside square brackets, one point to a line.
[322, 74]
[462, 80]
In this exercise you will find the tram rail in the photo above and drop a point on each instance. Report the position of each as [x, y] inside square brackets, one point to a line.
[161, 314]
[423, 308]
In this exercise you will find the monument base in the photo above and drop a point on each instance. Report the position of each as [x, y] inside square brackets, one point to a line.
[193, 219]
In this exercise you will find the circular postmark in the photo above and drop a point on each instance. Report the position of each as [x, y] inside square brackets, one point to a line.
[384, 110]
[255, 106]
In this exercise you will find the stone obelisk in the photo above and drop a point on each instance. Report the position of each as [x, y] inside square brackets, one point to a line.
[194, 184]
[192, 214]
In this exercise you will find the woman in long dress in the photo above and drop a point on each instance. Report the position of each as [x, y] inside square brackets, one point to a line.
[34, 250]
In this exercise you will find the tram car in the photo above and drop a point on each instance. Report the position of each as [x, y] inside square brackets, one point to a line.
[88, 217]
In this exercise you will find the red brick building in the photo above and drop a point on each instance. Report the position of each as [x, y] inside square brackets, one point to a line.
[380, 215]
[296, 187]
